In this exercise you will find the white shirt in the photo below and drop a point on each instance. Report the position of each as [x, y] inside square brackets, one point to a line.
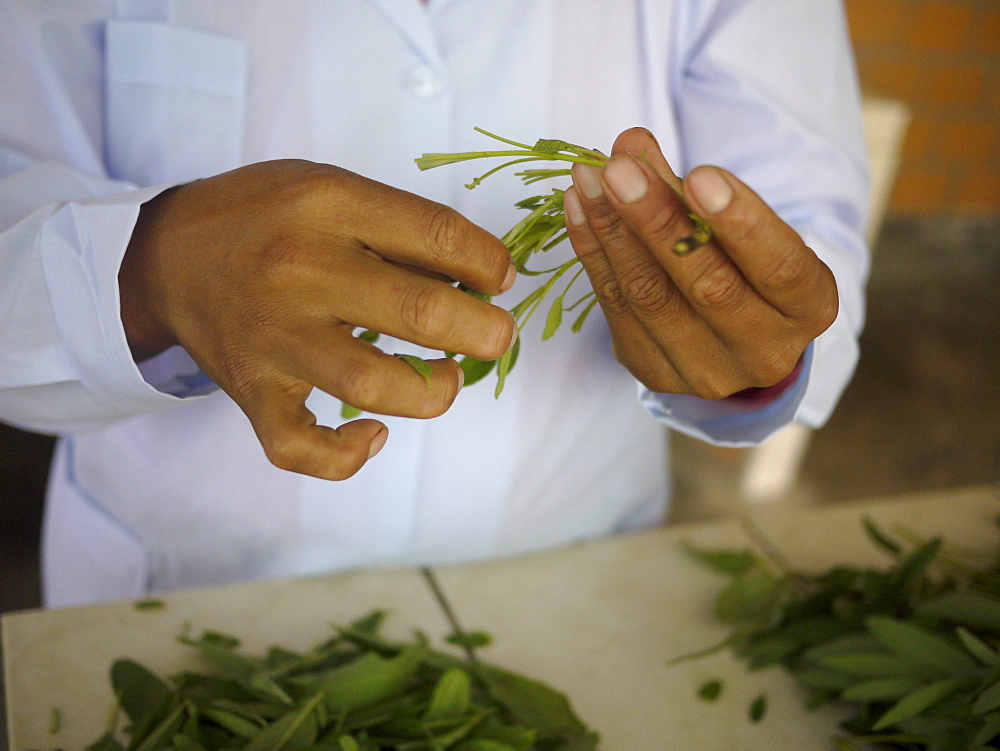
[158, 481]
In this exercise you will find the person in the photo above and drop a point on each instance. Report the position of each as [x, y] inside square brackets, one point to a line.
[203, 203]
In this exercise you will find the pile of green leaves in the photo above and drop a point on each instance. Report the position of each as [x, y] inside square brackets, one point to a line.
[913, 650]
[354, 692]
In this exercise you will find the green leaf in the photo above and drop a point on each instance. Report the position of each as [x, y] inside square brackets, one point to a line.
[880, 689]
[451, 695]
[915, 643]
[581, 319]
[470, 639]
[476, 370]
[758, 708]
[554, 319]
[969, 609]
[878, 665]
[724, 561]
[879, 537]
[988, 699]
[296, 730]
[347, 412]
[919, 700]
[418, 364]
[710, 690]
[550, 146]
[149, 604]
[140, 691]
[368, 679]
[368, 335]
[532, 703]
[749, 597]
[978, 648]
[989, 730]
[506, 364]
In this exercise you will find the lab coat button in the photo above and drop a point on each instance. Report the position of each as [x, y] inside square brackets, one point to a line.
[424, 82]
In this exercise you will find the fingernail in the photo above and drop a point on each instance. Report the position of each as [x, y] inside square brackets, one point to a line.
[573, 209]
[710, 190]
[461, 377]
[587, 179]
[509, 280]
[513, 339]
[378, 442]
[626, 180]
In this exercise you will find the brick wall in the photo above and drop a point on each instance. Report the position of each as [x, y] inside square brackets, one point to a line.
[942, 57]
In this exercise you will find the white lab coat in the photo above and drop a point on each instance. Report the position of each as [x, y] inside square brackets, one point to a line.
[158, 481]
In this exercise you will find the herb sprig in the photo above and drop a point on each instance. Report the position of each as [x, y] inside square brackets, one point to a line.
[357, 691]
[913, 650]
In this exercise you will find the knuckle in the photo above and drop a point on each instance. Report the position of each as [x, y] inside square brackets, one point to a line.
[791, 270]
[712, 387]
[284, 451]
[718, 287]
[424, 312]
[610, 295]
[647, 294]
[771, 367]
[362, 384]
[445, 234]
[665, 226]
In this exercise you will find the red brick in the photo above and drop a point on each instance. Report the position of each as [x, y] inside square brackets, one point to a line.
[941, 26]
[919, 190]
[956, 86]
[903, 79]
[920, 135]
[969, 142]
[979, 191]
[875, 22]
[986, 31]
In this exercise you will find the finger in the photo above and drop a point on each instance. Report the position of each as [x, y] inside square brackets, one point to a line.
[709, 280]
[365, 377]
[405, 227]
[293, 441]
[632, 343]
[770, 254]
[643, 144]
[418, 309]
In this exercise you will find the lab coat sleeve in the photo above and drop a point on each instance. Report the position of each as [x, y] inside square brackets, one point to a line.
[65, 365]
[767, 89]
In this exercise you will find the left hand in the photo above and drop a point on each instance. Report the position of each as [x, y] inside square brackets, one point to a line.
[734, 314]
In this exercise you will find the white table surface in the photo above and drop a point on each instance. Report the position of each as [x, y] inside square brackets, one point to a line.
[598, 620]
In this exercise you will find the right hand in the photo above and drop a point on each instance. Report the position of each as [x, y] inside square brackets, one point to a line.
[263, 273]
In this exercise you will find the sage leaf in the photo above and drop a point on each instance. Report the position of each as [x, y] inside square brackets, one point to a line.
[532, 703]
[296, 730]
[420, 365]
[710, 690]
[969, 609]
[917, 701]
[879, 537]
[747, 598]
[451, 696]
[347, 412]
[917, 644]
[730, 562]
[988, 699]
[368, 679]
[978, 648]
[582, 318]
[758, 708]
[476, 370]
[881, 689]
[141, 692]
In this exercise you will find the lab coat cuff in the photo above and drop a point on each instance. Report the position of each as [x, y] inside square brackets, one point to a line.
[728, 422]
[82, 246]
